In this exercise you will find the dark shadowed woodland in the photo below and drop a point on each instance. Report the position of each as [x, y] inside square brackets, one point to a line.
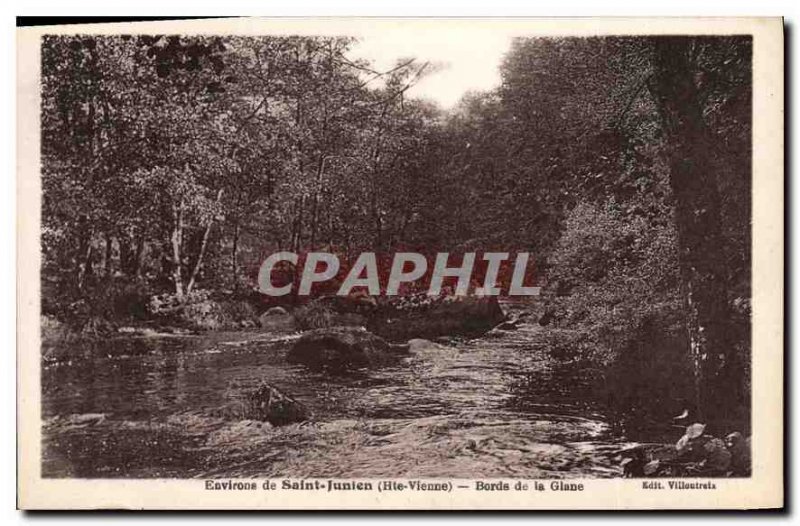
[172, 166]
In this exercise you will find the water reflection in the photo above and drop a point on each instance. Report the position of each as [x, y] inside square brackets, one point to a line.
[148, 407]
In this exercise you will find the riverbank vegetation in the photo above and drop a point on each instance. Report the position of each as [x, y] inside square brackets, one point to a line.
[173, 165]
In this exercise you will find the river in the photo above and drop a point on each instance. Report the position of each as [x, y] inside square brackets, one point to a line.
[164, 407]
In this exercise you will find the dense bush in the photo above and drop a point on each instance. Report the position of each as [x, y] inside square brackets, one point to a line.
[314, 315]
[610, 270]
[99, 307]
[200, 310]
[614, 284]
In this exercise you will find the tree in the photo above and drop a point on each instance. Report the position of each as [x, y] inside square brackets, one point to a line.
[697, 215]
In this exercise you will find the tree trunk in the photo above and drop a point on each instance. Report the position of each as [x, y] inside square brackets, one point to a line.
[85, 267]
[125, 252]
[697, 216]
[109, 250]
[297, 239]
[84, 257]
[139, 256]
[198, 264]
[199, 261]
[315, 203]
[234, 262]
[176, 239]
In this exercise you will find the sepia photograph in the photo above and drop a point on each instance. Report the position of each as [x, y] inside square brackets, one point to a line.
[412, 260]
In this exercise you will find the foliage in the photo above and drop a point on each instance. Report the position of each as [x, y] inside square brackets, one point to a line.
[200, 310]
[314, 315]
[199, 144]
[172, 165]
[610, 270]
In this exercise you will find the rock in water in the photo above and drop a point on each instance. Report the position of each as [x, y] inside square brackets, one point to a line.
[510, 325]
[275, 311]
[434, 317]
[741, 462]
[277, 319]
[419, 345]
[547, 317]
[342, 349]
[268, 404]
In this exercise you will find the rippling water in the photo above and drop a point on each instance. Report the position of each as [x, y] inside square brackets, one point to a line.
[160, 407]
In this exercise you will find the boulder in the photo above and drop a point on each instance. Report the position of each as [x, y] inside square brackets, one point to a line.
[276, 321]
[329, 311]
[342, 349]
[419, 345]
[739, 447]
[349, 319]
[448, 316]
[510, 325]
[275, 311]
[269, 404]
[356, 303]
[546, 318]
